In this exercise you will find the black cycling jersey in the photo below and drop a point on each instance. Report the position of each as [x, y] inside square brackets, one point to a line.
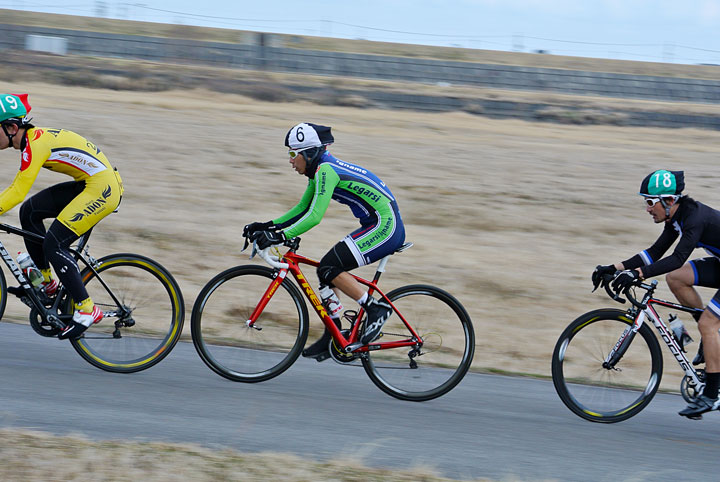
[698, 226]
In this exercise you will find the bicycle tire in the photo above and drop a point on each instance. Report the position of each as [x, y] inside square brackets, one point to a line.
[158, 312]
[599, 394]
[231, 348]
[446, 354]
[3, 294]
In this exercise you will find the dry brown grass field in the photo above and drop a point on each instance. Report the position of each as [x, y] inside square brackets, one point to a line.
[509, 216]
[39, 457]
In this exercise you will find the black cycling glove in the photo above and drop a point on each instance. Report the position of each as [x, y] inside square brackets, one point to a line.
[265, 239]
[254, 227]
[625, 279]
[599, 272]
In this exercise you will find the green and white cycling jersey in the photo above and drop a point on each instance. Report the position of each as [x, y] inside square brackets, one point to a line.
[381, 229]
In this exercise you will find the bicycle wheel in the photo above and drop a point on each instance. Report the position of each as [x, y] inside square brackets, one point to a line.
[434, 367]
[3, 294]
[605, 395]
[155, 312]
[228, 345]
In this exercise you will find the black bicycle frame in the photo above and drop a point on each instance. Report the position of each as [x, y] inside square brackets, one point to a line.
[645, 310]
[17, 272]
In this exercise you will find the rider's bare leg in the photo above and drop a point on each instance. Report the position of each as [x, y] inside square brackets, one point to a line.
[349, 285]
[709, 325]
[681, 282]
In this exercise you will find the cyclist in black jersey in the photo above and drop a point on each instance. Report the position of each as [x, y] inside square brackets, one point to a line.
[698, 226]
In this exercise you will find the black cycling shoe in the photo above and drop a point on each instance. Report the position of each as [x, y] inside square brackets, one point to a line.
[700, 405]
[320, 350]
[16, 290]
[378, 313]
[700, 357]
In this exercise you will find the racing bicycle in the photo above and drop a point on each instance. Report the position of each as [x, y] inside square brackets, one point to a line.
[250, 323]
[142, 304]
[607, 364]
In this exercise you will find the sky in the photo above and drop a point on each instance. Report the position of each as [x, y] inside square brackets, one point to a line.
[675, 31]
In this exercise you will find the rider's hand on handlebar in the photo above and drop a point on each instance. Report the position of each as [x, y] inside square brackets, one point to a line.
[600, 272]
[251, 228]
[265, 239]
[625, 279]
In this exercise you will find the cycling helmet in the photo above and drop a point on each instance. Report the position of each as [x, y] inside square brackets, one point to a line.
[663, 184]
[311, 140]
[14, 108]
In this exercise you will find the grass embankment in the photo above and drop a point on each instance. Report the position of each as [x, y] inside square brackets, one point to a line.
[33, 456]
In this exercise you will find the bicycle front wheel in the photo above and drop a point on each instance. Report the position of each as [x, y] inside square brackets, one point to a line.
[147, 313]
[597, 393]
[235, 350]
[444, 351]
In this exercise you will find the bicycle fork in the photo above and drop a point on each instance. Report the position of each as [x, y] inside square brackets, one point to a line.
[623, 343]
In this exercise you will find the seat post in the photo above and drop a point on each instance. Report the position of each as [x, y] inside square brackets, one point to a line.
[381, 268]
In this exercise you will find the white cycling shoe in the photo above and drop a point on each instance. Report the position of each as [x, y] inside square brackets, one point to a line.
[81, 321]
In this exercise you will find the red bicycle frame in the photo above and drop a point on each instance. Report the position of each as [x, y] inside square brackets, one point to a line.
[292, 260]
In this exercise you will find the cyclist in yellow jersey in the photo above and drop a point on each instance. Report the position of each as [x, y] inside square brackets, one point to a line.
[77, 205]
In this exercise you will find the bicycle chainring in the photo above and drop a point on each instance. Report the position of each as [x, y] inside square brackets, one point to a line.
[338, 354]
[41, 326]
[688, 390]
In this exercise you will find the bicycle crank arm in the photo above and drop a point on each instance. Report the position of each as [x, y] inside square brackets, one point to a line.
[352, 347]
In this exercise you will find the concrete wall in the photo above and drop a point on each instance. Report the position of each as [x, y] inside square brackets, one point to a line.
[261, 55]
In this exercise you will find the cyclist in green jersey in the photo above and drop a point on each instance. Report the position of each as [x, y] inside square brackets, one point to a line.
[381, 230]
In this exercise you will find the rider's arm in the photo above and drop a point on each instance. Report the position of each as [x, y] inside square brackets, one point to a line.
[326, 179]
[298, 210]
[683, 250]
[654, 252]
[32, 161]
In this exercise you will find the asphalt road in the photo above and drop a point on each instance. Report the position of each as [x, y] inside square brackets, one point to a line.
[489, 426]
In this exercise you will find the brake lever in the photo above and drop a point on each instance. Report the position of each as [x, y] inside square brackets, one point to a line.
[606, 284]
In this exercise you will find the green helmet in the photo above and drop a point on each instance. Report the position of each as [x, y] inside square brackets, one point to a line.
[14, 107]
[663, 183]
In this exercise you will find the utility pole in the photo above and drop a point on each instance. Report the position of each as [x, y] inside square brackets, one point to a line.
[668, 53]
[518, 42]
[100, 8]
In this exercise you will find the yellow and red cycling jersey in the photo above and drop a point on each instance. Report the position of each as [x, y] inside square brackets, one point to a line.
[64, 151]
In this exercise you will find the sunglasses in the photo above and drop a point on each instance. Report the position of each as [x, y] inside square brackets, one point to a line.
[293, 153]
[652, 201]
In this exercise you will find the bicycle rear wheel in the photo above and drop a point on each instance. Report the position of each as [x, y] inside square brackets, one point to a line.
[441, 359]
[153, 319]
[599, 394]
[228, 345]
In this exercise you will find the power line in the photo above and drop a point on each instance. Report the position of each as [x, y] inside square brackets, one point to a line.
[197, 15]
[593, 43]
